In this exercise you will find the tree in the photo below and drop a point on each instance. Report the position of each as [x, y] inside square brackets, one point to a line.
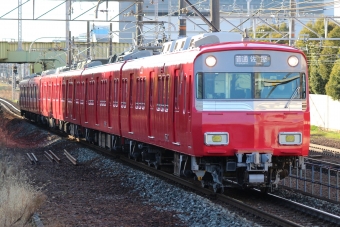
[316, 82]
[329, 54]
[267, 32]
[333, 85]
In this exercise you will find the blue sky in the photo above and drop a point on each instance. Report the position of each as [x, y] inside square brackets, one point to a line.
[32, 30]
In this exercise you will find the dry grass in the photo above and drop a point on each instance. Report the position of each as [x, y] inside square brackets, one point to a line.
[6, 92]
[18, 198]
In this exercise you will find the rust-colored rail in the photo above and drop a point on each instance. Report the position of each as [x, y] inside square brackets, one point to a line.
[70, 157]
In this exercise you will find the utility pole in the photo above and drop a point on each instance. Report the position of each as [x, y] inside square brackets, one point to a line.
[14, 81]
[139, 27]
[19, 25]
[215, 14]
[182, 20]
[292, 10]
[68, 37]
[88, 41]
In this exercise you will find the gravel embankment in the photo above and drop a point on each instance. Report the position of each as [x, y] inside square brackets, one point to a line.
[192, 209]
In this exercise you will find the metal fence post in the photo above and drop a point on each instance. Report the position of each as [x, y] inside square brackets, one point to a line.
[320, 181]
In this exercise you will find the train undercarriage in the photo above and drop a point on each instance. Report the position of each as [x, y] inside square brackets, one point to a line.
[246, 170]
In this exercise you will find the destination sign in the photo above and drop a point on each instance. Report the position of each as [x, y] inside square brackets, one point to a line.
[252, 60]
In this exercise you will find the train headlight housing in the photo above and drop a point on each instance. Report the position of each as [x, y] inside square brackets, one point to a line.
[293, 61]
[216, 138]
[290, 138]
[210, 61]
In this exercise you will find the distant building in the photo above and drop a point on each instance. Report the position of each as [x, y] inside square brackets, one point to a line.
[97, 34]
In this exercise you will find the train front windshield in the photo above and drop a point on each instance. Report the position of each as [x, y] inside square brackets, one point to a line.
[246, 85]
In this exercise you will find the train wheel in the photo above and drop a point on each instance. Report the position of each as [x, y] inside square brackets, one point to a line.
[204, 185]
[264, 190]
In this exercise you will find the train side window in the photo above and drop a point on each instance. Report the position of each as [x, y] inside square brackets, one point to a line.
[137, 93]
[200, 84]
[63, 91]
[163, 93]
[303, 86]
[151, 88]
[166, 106]
[144, 93]
[185, 93]
[176, 90]
[131, 90]
[159, 93]
[189, 94]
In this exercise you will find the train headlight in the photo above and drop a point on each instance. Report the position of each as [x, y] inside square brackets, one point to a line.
[293, 61]
[216, 138]
[290, 138]
[210, 61]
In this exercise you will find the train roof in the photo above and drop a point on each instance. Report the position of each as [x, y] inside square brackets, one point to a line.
[249, 45]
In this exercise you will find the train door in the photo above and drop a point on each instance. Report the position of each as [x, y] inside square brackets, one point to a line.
[109, 106]
[188, 106]
[74, 100]
[130, 106]
[52, 99]
[86, 100]
[151, 105]
[97, 100]
[175, 107]
[182, 119]
[66, 99]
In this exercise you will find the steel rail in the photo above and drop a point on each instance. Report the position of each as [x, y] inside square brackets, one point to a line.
[10, 104]
[223, 198]
[324, 150]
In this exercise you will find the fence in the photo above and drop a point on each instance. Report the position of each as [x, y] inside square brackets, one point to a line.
[324, 112]
[319, 178]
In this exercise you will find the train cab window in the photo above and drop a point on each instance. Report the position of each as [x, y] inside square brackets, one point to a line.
[250, 85]
[280, 85]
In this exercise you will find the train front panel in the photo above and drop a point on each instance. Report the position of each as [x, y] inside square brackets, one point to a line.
[251, 107]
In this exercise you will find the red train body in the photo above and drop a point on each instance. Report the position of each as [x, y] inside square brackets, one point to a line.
[235, 111]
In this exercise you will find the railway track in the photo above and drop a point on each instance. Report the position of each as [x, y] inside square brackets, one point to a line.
[10, 107]
[270, 210]
[323, 150]
[280, 215]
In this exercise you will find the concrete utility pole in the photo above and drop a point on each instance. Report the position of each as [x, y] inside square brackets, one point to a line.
[68, 18]
[215, 13]
[139, 27]
[88, 41]
[19, 25]
[182, 20]
[13, 81]
[292, 10]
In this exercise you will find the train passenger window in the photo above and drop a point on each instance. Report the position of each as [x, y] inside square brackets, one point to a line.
[166, 93]
[144, 92]
[137, 93]
[176, 89]
[185, 93]
[159, 93]
[151, 88]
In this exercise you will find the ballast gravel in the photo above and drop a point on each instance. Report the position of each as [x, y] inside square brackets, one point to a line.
[192, 209]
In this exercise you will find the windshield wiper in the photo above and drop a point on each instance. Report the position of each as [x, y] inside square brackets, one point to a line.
[293, 96]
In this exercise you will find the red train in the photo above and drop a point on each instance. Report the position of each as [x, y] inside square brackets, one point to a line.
[219, 111]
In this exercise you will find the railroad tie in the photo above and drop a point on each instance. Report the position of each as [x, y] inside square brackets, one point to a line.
[70, 157]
